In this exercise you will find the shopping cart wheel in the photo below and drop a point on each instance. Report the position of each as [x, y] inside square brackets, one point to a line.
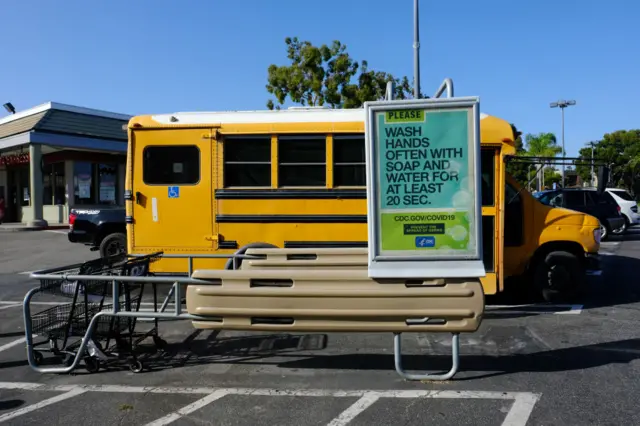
[92, 364]
[38, 357]
[136, 366]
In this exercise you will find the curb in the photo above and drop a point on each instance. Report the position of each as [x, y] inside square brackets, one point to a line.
[32, 228]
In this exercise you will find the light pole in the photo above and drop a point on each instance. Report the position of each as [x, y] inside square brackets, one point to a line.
[592, 175]
[562, 104]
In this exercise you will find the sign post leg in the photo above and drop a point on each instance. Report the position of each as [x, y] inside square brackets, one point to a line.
[455, 355]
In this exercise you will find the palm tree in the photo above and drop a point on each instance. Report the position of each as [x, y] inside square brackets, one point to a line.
[542, 145]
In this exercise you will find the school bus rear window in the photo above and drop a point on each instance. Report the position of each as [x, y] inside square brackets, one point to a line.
[302, 161]
[171, 165]
[247, 161]
[349, 163]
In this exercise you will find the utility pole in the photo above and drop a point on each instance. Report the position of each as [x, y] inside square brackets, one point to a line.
[416, 51]
[592, 174]
[562, 104]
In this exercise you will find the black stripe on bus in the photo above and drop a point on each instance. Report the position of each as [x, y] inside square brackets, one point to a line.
[325, 244]
[231, 244]
[291, 194]
[290, 218]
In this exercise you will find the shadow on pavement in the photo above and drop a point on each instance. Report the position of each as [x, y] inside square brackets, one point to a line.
[255, 350]
[618, 285]
[10, 404]
[558, 360]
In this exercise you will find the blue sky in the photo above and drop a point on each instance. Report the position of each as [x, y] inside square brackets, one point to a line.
[139, 57]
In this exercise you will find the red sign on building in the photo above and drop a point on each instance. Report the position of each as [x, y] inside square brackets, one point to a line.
[14, 159]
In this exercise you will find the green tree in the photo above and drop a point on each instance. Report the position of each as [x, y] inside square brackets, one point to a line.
[328, 75]
[519, 171]
[619, 150]
[542, 145]
[583, 168]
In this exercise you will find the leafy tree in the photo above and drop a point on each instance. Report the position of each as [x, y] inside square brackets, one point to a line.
[620, 150]
[584, 167]
[519, 171]
[542, 145]
[328, 75]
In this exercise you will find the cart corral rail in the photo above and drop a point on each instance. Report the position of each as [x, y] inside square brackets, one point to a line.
[312, 290]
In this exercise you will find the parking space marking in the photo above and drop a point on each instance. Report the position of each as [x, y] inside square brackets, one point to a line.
[6, 306]
[184, 411]
[356, 408]
[12, 344]
[538, 308]
[518, 415]
[520, 410]
[29, 408]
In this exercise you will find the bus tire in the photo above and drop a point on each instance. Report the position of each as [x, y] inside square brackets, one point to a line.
[242, 250]
[559, 276]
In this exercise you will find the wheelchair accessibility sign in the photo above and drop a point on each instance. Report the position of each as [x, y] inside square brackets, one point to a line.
[174, 192]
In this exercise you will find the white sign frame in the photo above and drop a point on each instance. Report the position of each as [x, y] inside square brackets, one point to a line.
[421, 264]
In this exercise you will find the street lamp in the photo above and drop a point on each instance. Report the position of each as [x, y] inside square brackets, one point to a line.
[9, 107]
[562, 104]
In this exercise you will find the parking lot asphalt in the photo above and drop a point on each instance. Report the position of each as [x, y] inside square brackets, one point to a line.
[526, 365]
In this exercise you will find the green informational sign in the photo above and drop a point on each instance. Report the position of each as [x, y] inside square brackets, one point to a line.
[424, 199]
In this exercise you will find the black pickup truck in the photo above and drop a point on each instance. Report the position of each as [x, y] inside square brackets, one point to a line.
[102, 229]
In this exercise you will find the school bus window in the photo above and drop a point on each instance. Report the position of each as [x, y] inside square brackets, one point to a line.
[513, 221]
[247, 161]
[302, 161]
[349, 160]
[171, 165]
[488, 238]
[487, 167]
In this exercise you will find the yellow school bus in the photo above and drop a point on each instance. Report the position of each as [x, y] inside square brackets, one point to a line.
[203, 183]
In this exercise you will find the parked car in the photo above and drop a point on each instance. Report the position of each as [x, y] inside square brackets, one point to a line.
[102, 229]
[628, 207]
[587, 200]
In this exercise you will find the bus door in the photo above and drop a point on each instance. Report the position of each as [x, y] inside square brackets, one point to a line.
[491, 248]
[172, 190]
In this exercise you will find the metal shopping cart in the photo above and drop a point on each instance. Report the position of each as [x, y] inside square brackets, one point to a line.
[114, 339]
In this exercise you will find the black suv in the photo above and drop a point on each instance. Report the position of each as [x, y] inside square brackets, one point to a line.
[589, 201]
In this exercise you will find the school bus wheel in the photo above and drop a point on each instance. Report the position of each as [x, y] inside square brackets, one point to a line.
[559, 275]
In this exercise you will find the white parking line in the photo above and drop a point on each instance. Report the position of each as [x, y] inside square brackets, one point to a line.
[541, 308]
[33, 407]
[9, 306]
[518, 415]
[12, 344]
[350, 413]
[185, 411]
[521, 410]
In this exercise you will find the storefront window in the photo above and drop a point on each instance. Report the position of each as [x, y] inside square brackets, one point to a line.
[94, 183]
[53, 191]
[107, 180]
[82, 183]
